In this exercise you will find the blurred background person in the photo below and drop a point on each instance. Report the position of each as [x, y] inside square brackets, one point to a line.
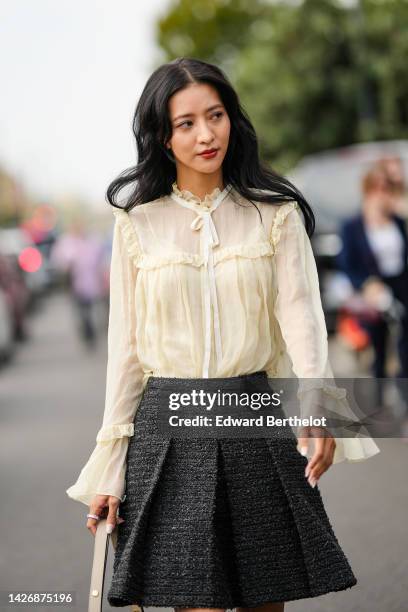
[82, 256]
[374, 256]
[394, 169]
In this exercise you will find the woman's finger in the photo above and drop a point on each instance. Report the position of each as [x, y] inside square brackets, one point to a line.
[321, 460]
[97, 508]
[112, 515]
[316, 458]
[329, 449]
[91, 524]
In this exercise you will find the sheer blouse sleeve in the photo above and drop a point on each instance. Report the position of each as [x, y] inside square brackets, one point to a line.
[300, 315]
[104, 473]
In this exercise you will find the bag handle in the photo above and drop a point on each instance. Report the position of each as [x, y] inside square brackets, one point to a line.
[100, 557]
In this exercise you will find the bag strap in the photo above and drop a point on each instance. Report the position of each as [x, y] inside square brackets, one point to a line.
[100, 557]
[101, 549]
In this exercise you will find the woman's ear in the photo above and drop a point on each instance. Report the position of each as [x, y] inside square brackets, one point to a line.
[168, 151]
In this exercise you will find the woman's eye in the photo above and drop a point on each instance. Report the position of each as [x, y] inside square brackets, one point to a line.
[217, 115]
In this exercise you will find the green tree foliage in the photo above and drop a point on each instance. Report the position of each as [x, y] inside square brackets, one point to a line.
[312, 74]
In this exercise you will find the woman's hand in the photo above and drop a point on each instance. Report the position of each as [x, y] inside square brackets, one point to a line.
[104, 506]
[322, 457]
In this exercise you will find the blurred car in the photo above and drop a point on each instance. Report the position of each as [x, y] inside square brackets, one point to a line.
[14, 304]
[331, 183]
[6, 328]
[28, 259]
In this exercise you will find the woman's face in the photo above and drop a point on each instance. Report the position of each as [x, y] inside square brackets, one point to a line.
[381, 194]
[199, 122]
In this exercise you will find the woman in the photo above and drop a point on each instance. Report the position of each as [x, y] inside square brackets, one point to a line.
[217, 523]
[374, 256]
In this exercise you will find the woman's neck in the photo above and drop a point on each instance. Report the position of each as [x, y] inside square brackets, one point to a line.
[200, 186]
[375, 217]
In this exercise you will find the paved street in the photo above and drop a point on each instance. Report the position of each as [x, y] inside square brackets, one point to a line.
[51, 408]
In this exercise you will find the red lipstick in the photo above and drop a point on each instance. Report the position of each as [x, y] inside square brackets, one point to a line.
[209, 153]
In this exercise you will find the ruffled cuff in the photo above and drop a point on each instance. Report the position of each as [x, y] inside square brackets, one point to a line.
[354, 449]
[103, 474]
[318, 398]
[110, 432]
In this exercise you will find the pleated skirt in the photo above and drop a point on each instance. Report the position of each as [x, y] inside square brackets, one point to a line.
[220, 522]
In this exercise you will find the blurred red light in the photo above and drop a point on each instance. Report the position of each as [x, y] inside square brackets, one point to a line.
[30, 259]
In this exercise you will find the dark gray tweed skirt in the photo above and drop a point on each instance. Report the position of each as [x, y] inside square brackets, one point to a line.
[220, 522]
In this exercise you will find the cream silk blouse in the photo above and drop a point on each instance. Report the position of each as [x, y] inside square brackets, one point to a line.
[209, 289]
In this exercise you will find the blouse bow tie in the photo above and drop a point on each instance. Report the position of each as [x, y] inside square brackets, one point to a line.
[204, 221]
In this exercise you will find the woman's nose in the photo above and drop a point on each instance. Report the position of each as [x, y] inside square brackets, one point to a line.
[205, 134]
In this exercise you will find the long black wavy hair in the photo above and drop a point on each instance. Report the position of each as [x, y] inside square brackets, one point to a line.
[155, 171]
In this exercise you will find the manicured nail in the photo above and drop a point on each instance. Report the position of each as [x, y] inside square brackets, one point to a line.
[109, 527]
[303, 450]
[312, 482]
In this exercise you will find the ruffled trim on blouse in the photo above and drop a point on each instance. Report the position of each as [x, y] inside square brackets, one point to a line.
[190, 197]
[250, 251]
[112, 432]
[129, 233]
[354, 449]
[279, 219]
[320, 398]
[149, 262]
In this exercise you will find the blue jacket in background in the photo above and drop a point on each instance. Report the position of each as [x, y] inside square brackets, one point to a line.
[356, 258]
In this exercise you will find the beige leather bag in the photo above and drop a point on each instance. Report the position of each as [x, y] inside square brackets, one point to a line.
[101, 548]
